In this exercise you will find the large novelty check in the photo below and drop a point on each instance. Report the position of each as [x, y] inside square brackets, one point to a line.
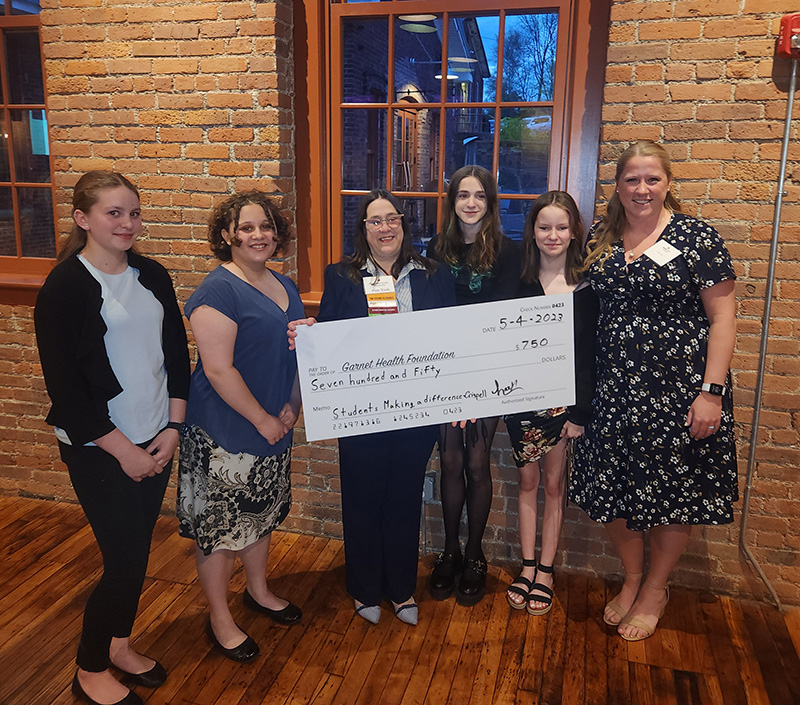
[367, 375]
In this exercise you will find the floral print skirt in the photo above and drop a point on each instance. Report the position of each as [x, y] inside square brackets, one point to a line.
[534, 433]
[229, 500]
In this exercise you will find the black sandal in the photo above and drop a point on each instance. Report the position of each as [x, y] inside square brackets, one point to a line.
[524, 592]
[547, 593]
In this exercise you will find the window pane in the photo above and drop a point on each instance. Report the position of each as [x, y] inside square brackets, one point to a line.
[24, 64]
[37, 232]
[472, 58]
[418, 58]
[29, 138]
[365, 60]
[363, 149]
[8, 243]
[349, 212]
[513, 212]
[5, 171]
[529, 56]
[420, 214]
[25, 7]
[469, 138]
[415, 149]
[524, 150]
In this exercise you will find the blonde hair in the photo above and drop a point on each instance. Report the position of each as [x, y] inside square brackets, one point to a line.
[613, 223]
[85, 194]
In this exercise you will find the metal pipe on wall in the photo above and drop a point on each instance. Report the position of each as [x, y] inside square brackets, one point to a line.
[743, 548]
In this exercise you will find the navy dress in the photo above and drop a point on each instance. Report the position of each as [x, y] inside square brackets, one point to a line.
[382, 473]
[636, 461]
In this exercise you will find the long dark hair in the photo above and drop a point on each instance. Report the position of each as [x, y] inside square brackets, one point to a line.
[613, 224]
[532, 262]
[449, 244]
[85, 194]
[361, 251]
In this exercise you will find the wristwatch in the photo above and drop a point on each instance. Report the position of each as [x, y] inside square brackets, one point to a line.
[716, 389]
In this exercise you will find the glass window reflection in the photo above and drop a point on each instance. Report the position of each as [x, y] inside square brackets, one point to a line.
[469, 138]
[5, 169]
[472, 58]
[415, 149]
[25, 7]
[24, 62]
[363, 148]
[365, 60]
[529, 57]
[418, 58]
[31, 150]
[8, 242]
[513, 212]
[524, 150]
[36, 222]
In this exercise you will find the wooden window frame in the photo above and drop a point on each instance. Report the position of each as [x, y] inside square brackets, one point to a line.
[22, 277]
[578, 130]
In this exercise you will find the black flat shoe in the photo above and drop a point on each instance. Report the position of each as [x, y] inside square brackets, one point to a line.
[153, 678]
[244, 653]
[130, 699]
[472, 586]
[290, 614]
[442, 580]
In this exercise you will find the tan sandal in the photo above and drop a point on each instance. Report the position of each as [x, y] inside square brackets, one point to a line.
[617, 608]
[639, 624]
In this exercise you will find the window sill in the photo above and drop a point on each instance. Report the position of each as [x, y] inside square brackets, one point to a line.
[20, 289]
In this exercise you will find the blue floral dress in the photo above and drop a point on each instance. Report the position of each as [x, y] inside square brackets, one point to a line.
[636, 459]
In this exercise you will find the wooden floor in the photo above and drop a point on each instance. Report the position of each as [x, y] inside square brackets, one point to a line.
[708, 649]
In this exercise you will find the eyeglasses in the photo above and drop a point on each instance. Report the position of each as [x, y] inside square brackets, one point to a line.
[392, 221]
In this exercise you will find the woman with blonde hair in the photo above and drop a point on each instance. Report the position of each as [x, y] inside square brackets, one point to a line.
[113, 351]
[658, 454]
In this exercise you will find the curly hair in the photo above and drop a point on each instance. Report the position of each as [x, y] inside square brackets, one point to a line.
[532, 257]
[613, 223]
[450, 246]
[226, 217]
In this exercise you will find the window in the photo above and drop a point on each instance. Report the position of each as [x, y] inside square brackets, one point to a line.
[27, 230]
[413, 91]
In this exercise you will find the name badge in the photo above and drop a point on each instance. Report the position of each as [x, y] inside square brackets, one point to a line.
[662, 252]
[381, 298]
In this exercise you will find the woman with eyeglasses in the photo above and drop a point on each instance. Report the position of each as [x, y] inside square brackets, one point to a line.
[486, 267]
[382, 473]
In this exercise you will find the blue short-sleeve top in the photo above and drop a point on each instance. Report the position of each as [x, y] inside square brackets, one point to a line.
[261, 355]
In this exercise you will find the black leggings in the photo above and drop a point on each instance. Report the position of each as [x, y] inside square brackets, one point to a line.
[466, 476]
[122, 514]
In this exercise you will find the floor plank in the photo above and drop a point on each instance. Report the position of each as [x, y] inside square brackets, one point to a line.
[708, 650]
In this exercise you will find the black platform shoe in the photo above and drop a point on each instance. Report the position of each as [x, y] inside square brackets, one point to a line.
[442, 580]
[472, 585]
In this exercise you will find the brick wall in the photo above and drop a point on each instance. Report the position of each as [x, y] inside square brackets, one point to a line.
[193, 100]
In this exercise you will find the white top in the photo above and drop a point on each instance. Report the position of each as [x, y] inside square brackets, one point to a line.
[133, 317]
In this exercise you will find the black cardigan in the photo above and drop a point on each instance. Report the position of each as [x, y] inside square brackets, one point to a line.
[69, 333]
[586, 309]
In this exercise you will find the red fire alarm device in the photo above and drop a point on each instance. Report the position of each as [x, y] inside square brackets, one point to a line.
[789, 36]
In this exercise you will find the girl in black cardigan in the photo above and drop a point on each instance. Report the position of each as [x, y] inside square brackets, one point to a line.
[114, 357]
[552, 242]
